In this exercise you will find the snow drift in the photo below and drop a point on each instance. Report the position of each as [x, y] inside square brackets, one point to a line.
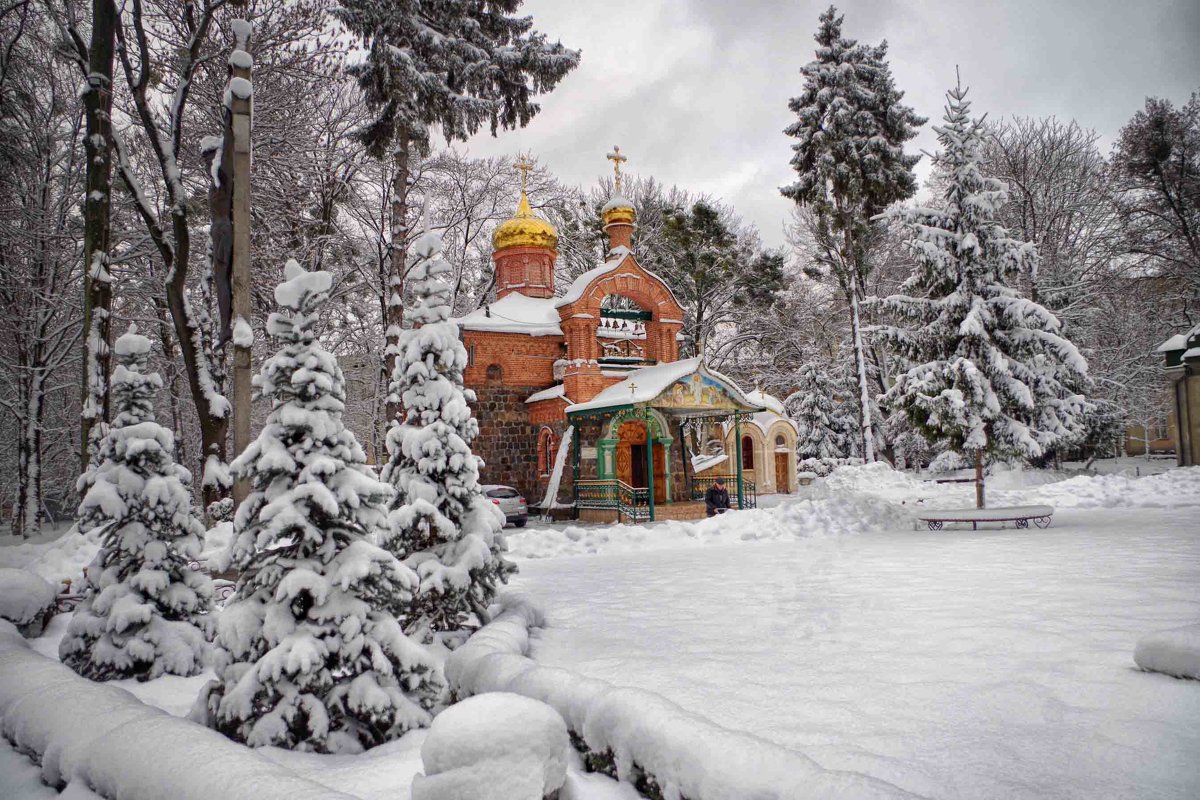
[828, 516]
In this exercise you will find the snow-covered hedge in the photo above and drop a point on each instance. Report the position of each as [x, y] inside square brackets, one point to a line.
[497, 745]
[640, 737]
[1175, 652]
[26, 600]
[121, 748]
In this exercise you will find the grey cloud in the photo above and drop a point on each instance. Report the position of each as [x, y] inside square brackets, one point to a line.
[696, 91]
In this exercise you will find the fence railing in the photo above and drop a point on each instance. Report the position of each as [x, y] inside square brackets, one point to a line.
[701, 483]
[630, 502]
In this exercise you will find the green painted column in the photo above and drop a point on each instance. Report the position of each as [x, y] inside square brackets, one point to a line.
[737, 448]
[649, 466]
[606, 459]
[575, 467]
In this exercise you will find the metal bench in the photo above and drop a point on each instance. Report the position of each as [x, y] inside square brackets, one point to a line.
[1021, 515]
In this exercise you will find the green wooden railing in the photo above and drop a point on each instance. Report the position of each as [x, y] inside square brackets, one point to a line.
[700, 484]
[631, 503]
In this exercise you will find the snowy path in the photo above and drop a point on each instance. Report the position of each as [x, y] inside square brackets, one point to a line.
[995, 664]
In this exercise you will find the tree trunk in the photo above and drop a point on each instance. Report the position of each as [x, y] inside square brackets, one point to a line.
[394, 290]
[97, 282]
[979, 479]
[860, 362]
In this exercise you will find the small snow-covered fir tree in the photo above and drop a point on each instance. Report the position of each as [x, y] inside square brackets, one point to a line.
[144, 612]
[989, 369]
[440, 523]
[309, 655]
[818, 415]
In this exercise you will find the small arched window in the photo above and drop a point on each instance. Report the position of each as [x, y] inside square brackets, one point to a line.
[747, 453]
[547, 445]
[780, 441]
[495, 373]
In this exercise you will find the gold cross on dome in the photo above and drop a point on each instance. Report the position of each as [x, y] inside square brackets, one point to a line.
[633, 388]
[617, 159]
[524, 166]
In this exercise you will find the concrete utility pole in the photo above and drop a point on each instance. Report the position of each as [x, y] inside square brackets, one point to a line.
[242, 105]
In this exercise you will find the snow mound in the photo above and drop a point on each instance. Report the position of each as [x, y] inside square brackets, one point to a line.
[874, 478]
[1170, 489]
[496, 735]
[1174, 652]
[799, 519]
[102, 736]
[24, 596]
[638, 734]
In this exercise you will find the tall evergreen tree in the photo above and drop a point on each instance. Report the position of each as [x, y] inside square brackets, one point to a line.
[850, 129]
[440, 524]
[309, 653]
[989, 369]
[816, 411]
[144, 610]
[455, 65]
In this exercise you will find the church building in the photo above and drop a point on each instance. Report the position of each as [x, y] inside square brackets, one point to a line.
[582, 398]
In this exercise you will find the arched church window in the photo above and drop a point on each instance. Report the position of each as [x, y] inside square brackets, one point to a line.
[547, 445]
[780, 441]
[495, 373]
[747, 453]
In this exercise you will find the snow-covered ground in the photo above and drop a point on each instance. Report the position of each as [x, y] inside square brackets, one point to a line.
[996, 663]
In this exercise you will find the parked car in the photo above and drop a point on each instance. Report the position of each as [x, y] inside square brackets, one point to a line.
[511, 503]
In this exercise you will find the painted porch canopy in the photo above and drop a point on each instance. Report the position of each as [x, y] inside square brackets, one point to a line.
[684, 388]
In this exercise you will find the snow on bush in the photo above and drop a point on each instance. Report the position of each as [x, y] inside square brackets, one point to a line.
[825, 516]
[492, 739]
[309, 656]
[1174, 652]
[26, 600]
[102, 736]
[59, 560]
[640, 737]
[441, 525]
[144, 611]
[948, 461]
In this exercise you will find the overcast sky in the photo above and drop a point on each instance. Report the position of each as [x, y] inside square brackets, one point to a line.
[695, 91]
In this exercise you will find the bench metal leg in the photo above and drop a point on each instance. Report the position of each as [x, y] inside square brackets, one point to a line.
[1022, 523]
[1042, 522]
[935, 525]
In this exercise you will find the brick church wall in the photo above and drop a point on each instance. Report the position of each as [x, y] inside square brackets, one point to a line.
[507, 440]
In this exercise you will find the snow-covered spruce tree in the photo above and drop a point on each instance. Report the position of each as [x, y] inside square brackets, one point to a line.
[849, 158]
[309, 655]
[989, 370]
[814, 408]
[144, 609]
[440, 523]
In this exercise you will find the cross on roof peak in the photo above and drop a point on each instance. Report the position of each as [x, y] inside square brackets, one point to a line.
[617, 159]
[524, 166]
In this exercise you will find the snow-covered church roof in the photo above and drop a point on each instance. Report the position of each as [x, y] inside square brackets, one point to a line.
[616, 257]
[515, 313]
[648, 383]
[773, 412]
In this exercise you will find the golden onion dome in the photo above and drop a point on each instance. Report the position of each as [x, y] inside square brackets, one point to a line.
[618, 210]
[525, 230]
